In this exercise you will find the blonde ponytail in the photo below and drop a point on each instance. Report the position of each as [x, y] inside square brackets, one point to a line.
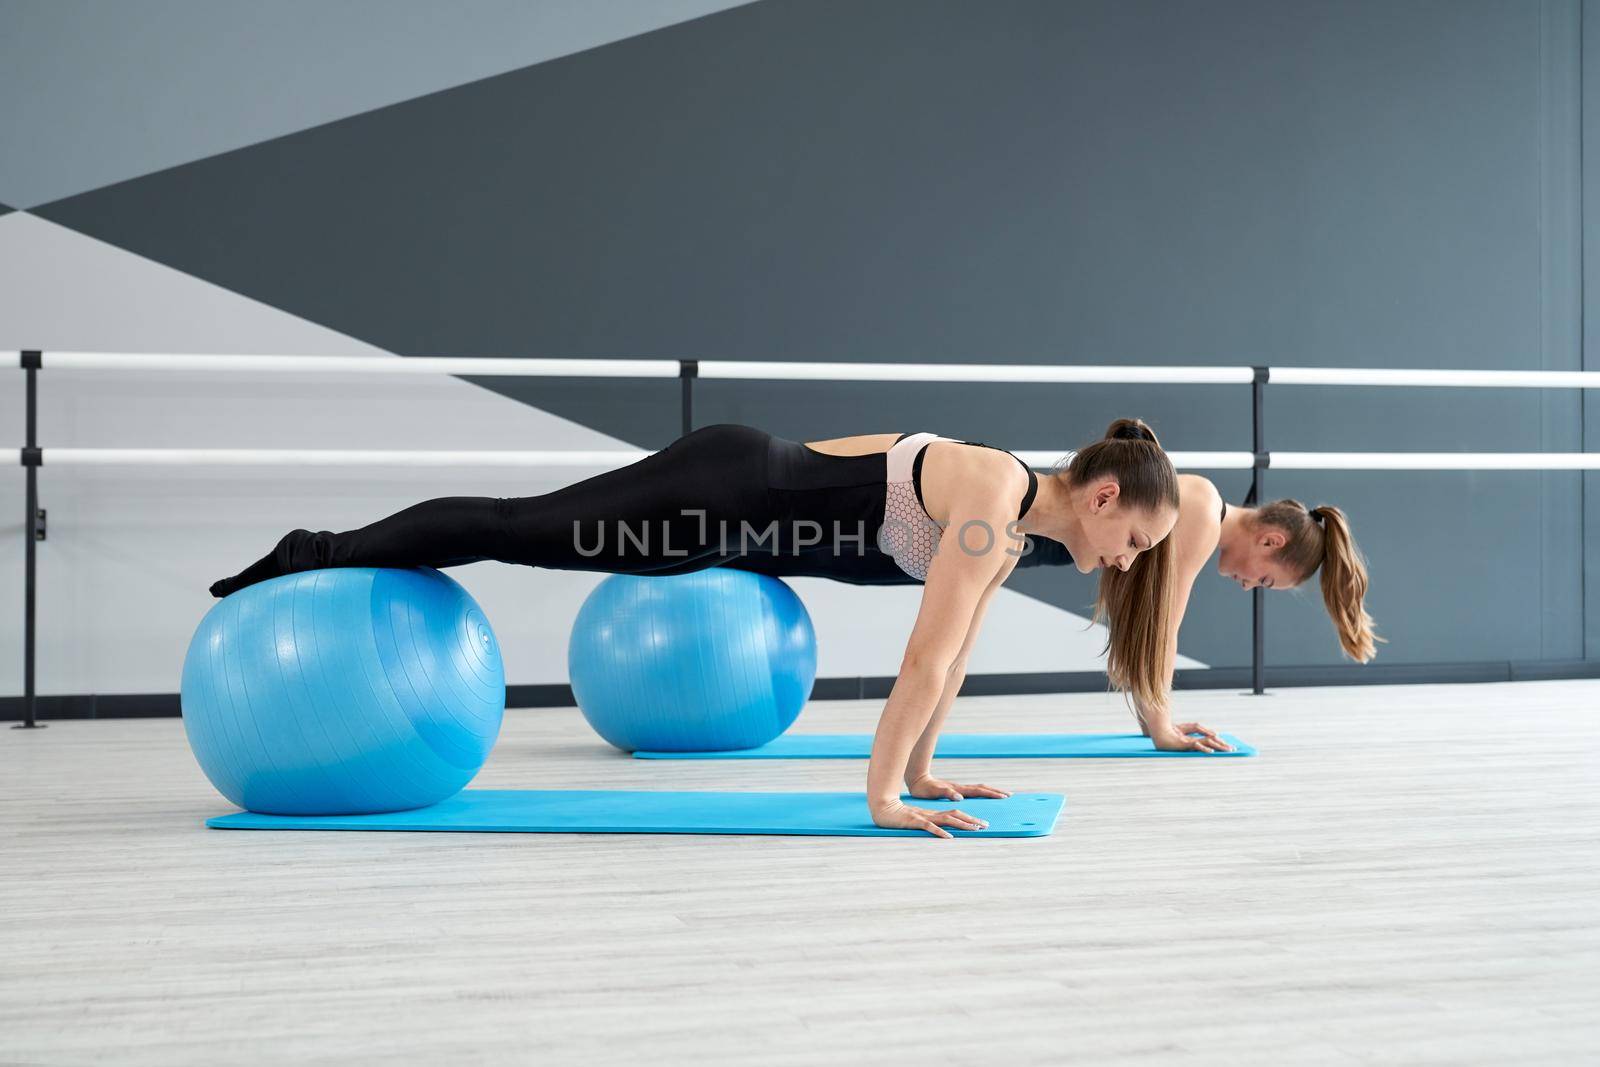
[1344, 585]
[1320, 537]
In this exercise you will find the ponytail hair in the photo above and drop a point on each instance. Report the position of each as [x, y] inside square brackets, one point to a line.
[1320, 537]
[1134, 603]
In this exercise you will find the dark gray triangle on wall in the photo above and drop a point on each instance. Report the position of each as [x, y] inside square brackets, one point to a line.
[829, 181]
[936, 181]
[820, 181]
[6, 209]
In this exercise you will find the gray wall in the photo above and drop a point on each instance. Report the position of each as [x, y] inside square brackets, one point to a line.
[1347, 184]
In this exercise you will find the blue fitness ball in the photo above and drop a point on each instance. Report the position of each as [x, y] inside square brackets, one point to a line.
[343, 691]
[700, 662]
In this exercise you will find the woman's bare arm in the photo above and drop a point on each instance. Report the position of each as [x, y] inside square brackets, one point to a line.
[920, 764]
[958, 582]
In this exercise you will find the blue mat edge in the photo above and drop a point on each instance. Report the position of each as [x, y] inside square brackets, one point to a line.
[245, 820]
[1240, 749]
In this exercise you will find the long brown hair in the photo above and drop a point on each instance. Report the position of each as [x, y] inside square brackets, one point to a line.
[1320, 537]
[1134, 603]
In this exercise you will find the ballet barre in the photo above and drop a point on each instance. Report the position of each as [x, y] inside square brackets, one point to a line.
[1258, 460]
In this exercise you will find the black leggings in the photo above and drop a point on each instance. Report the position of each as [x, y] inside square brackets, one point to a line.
[626, 521]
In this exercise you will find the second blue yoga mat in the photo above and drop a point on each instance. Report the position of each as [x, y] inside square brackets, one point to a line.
[640, 811]
[962, 746]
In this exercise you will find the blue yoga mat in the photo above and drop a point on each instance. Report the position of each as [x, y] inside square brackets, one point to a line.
[961, 746]
[639, 811]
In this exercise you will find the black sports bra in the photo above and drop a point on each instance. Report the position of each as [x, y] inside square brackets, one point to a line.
[916, 471]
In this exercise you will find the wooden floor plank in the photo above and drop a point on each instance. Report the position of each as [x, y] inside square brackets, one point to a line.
[1406, 874]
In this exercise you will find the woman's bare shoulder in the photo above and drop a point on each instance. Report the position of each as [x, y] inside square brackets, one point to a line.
[1197, 496]
[864, 444]
[953, 469]
[1199, 521]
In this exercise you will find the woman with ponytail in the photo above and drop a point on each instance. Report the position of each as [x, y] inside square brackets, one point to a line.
[1281, 545]
[870, 509]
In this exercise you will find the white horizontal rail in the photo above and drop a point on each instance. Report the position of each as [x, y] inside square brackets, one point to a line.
[765, 370]
[780, 370]
[972, 372]
[275, 457]
[267, 457]
[608, 459]
[1435, 461]
[1502, 379]
[642, 368]
[523, 368]
[1214, 461]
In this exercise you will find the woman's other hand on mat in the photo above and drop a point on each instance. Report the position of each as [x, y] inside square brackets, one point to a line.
[1182, 738]
[927, 787]
[899, 816]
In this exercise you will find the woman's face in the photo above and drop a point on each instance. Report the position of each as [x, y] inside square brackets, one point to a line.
[1250, 558]
[1113, 533]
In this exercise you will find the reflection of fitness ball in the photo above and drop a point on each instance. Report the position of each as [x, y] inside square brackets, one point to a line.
[343, 690]
[701, 662]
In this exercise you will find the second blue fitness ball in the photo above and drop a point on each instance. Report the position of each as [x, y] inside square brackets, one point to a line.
[700, 662]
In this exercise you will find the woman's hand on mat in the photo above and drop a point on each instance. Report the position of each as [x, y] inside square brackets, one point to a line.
[898, 816]
[1178, 740]
[927, 787]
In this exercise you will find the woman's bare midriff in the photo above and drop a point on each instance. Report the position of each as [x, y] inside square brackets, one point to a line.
[864, 444]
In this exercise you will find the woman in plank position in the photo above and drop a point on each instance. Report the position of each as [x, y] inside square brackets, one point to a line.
[869, 509]
[1281, 545]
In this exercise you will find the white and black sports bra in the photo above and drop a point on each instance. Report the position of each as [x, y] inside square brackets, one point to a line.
[909, 534]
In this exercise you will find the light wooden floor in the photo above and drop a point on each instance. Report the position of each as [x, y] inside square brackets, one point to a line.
[1405, 875]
